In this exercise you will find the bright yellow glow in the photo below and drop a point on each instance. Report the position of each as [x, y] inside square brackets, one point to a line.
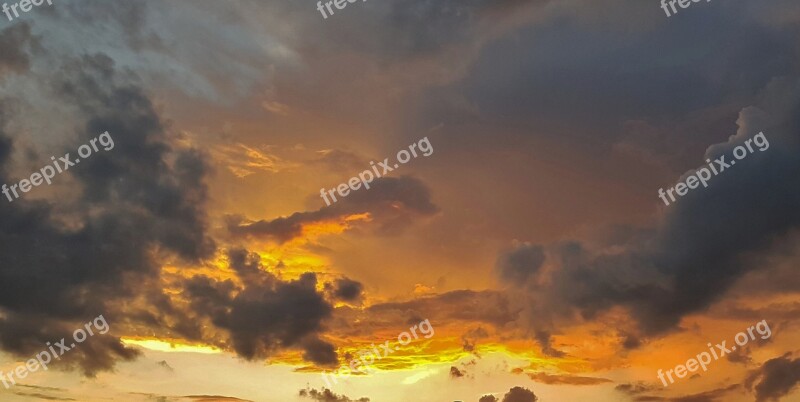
[162, 346]
[419, 376]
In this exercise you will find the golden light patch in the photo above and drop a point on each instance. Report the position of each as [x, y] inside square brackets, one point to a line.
[174, 346]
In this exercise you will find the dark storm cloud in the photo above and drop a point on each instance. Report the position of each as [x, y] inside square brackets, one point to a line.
[265, 314]
[346, 289]
[141, 196]
[16, 43]
[488, 398]
[656, 87]
[327, 395]
[519, 394]
[391, 202]
[704, 245]
[775, 378]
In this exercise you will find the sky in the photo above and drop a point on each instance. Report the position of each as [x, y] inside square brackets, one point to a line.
[508, 223]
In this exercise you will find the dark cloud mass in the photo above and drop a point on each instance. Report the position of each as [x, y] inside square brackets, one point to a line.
[146, 196]
[345, 289]
[520, 394]
[720, 228]
[266, 314]
[775, 378]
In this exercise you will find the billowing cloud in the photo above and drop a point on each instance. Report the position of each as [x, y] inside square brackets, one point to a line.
[266, 314]
[655, 274]
[345, 289]
[142, 196]
[775, 378]
[520, 394]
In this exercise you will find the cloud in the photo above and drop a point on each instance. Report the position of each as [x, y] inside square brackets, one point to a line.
[488, 398]
[43, 396]
[519, 394]
[775, 378]
[552, 379]
[16, 43]
[715, 395]
[327, 395]
[341, 161]
[214, 398]
[391, 202]
[471, 337]
[654, 274]
[455, 372]
[518, 266]
[486, 306]
[164, 364]
[265, 314]
[243, 160]
[345, 289]
[636, 388]
[122, 205]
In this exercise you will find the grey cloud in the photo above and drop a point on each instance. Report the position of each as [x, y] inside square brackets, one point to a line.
[16, 43]
[518, 266]
[346, 289]
[520, 394]
[775, 379]
[657, 275]
[392, 203]
[266, 314]
[128, 204]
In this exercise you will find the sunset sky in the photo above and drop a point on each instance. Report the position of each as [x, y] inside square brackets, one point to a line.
[531, 236]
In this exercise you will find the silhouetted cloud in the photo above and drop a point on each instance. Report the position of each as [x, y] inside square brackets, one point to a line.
[654, 273]
[519, 394]
[775, 379]
[327, 395]
[391, 202]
